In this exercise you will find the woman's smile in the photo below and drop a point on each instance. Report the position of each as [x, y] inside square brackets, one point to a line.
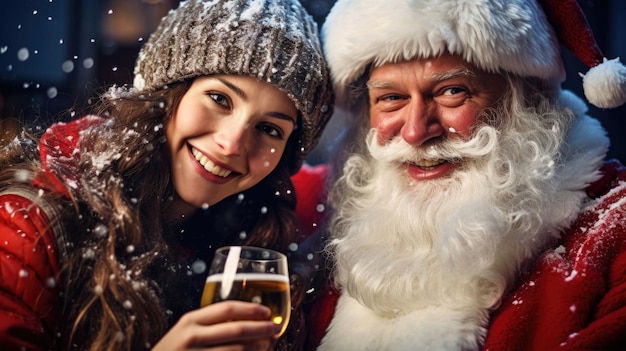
[209, 165]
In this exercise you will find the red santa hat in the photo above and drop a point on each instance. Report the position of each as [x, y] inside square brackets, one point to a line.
[517, 36]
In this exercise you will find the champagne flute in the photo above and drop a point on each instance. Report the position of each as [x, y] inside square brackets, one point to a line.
[253, 274]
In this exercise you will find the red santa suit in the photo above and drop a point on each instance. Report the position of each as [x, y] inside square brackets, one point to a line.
[566, 287]
[573, 297]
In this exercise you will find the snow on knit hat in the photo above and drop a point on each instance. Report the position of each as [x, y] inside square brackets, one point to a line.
[517, 36]
[275, 41]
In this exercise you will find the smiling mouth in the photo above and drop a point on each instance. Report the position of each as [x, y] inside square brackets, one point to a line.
[429, 164]
[209, 165]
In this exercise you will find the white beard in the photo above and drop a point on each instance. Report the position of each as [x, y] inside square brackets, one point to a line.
[421, 264]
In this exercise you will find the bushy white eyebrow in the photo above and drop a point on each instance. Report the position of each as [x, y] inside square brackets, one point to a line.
[435, 77]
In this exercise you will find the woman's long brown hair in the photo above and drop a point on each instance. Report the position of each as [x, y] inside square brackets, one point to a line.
[117, 227]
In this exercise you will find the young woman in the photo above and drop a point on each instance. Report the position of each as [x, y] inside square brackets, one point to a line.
[108, 222]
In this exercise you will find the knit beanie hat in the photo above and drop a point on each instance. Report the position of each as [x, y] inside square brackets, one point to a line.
[518, 36]
[275, 41]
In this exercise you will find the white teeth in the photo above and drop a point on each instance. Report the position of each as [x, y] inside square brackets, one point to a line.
[210, 166]
[429, 163]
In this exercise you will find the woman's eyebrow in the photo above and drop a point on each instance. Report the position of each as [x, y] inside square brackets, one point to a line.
[282, 116]
[243, 95]
[234, 88]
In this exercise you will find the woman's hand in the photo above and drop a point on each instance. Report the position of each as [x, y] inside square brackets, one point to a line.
[227, 325]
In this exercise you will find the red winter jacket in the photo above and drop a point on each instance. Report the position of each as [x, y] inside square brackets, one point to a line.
[574, 296]
[29, 257]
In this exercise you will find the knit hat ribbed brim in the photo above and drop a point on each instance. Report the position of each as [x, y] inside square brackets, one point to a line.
[275, 41]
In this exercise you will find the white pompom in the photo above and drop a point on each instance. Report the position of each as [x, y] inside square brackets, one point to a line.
[605, 84]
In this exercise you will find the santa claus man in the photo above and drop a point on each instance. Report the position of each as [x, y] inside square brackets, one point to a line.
[472, 207]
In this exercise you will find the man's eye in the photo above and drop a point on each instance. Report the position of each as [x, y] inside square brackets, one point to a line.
[453, 91]
[389, 97]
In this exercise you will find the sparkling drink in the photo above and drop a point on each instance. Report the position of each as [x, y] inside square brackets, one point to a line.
[271, 290]
[251, 274]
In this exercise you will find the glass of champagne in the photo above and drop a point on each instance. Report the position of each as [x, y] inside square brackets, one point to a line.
[253, 274]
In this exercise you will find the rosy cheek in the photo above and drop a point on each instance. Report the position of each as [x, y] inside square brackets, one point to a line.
[463, 127]
[384, 127]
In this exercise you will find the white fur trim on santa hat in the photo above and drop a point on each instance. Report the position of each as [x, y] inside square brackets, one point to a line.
[511, 35]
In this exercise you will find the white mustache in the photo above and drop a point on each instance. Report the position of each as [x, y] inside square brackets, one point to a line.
[483, 142]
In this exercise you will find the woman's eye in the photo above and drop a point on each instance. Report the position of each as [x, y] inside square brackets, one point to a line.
[271, 130]
[219, 99]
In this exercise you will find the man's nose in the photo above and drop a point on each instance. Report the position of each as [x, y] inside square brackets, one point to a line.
[417, 123]
[421, 122]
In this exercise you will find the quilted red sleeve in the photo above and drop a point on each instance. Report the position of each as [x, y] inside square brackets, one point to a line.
[29, 304]
[59, 149]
